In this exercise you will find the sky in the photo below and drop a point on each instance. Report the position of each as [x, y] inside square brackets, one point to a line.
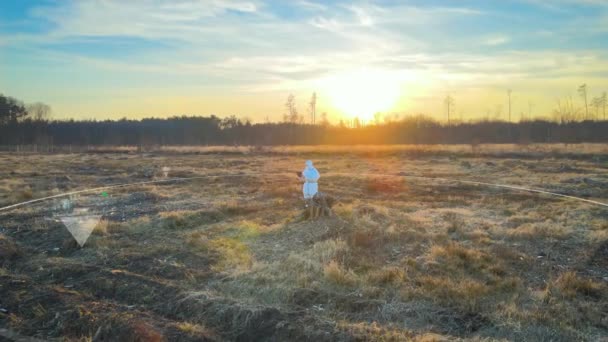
[100, 59]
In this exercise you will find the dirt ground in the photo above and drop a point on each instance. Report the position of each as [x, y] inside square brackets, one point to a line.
[226, 254]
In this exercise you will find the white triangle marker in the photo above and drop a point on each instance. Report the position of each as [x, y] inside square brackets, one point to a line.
[81, 227]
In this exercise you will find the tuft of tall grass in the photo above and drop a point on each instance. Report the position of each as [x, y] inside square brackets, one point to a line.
[335, 273]
[570, 285]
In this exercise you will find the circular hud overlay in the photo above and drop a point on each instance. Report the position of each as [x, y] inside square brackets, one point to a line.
[217, 247]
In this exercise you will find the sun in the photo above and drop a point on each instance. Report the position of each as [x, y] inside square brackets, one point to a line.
[362, 93]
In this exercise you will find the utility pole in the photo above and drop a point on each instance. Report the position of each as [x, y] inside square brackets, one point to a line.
[449, 101]
[313, 108]
[582, 90]
[509, 93]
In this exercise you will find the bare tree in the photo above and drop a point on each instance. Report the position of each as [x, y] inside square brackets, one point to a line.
[313, 108]
[566, 111]
[582, 90]
[39, 111]
[377, 118]
[449, 102]
[603, 100]
[498, 112]
[596, 103]
[292, 112]
[324, 120]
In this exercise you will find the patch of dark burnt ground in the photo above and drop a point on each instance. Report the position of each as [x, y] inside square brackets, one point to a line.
[580, 187]
[244, 322]
[129, 206]
[83, 170]
[58, 312]
[22, 217]
[117, 305]
[423, 315]
[138, 296]
[165, 263]
[37, 234]
[598, 212]
[599, 258]
[9, 250]
[453, 322]
[44, 295]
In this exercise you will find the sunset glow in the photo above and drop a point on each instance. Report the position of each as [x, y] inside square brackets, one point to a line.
[93, 59]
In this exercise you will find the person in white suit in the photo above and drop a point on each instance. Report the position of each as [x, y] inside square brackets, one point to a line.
[310, 177]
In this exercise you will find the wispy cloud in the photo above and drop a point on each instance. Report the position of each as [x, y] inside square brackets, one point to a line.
[145, 18]
[495, 40]
[310, 5]
[565, 5]
[362, 15]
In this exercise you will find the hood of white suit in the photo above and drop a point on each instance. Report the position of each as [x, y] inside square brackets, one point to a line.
[310, 173]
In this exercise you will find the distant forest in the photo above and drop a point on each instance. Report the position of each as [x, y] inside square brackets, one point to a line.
[29, 125]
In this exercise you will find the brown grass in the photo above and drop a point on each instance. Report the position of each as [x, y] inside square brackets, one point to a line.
[457, 255]
[194, 329]
[538, 231]
[335, 273]
[386, 275]
[465, 294]
[384, 186]
[570, 285]
[25, 194]
[376, 332]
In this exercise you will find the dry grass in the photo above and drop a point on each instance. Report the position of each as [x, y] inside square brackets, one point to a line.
[337, 274]
[375, 332]
[420, 261]
[194, 329]
[570, 285]
[494, 149]
[455, 256]
[538, 231]
[229, 249]
[233, 254]
[387, 275]
[384, 186]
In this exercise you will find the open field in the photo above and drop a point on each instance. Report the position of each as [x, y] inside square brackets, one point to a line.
[227, 256]
[492, 150]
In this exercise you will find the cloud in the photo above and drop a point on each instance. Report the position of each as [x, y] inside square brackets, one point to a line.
[325, 23]
[496, 40]
[144, 18]
[210, 41]
[311, 6]
[363, 16]
[565, 5]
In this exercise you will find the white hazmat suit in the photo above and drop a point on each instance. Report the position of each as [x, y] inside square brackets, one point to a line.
[311, 176]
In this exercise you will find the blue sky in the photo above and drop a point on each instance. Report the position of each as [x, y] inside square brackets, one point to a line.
[111, 58]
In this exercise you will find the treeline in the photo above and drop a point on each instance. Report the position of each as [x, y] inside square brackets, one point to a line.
[233, 131]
